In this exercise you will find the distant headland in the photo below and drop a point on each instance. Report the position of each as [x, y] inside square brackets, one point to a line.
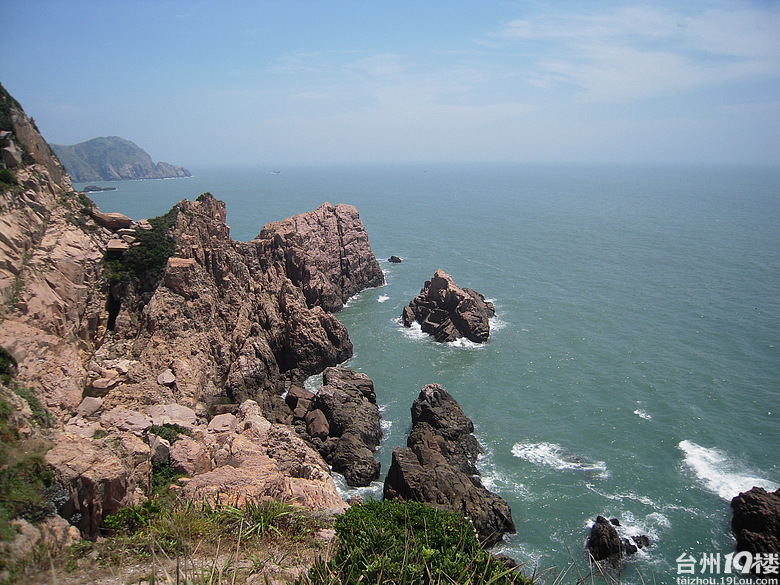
[111, 158]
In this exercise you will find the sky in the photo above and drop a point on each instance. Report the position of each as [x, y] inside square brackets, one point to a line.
[274, 83]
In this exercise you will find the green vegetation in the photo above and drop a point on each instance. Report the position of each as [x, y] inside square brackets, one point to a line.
[24, 476]
[7, 179]
[146, 260]
[8, 366]
[408, 542]
[169, 431]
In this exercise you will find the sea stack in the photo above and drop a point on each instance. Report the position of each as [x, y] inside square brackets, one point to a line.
[449, 312]
[438, 466]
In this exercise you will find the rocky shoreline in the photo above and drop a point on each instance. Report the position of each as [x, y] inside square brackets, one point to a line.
[122, 328]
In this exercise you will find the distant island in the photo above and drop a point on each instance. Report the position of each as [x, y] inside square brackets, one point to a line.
[111, 158]
[96, 189]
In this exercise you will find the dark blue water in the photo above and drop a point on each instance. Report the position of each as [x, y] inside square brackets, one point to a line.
[633, 367]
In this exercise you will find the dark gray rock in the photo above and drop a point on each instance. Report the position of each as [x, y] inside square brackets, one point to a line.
[755, 521]
[438, 466]
[448, 312]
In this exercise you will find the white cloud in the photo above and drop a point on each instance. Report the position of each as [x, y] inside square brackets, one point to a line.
[646, 51]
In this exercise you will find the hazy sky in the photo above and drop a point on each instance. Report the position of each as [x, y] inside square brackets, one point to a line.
[207, 83]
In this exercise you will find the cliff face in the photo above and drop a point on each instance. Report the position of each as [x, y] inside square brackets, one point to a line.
[117, 325]
[232, 320]
[112, 158]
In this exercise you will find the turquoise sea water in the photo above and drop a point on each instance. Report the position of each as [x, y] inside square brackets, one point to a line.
[633, 367]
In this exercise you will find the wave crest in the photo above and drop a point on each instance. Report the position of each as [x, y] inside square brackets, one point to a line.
[555, 456]
[719, 473]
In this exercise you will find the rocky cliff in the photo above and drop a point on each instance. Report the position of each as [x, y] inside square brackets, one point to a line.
[111, 158]
[118, 326]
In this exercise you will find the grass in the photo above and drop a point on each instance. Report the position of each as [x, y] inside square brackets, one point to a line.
[408, 542]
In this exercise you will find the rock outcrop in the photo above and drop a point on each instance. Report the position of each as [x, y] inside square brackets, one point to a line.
[120, 326]
[755, 521]
[448, 312]
[342, 421]
[304, 246]
[606, 544]
[438, 466]
[112, 158]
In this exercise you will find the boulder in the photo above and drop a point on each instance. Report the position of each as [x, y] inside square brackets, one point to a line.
[190, 456]
[448, 312]
[274, 464]
[111, 221]
[98, 481]
[603, 541]
[755, 521]
[394, 260]
[438, 466]
[606, 544]
[350, 425]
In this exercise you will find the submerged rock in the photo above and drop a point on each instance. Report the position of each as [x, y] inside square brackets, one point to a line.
[449, 312]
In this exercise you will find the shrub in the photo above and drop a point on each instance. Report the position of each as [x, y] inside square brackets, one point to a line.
[408, 542]
[146, 260]
[169, 431]
[7, 178]
[8, 366]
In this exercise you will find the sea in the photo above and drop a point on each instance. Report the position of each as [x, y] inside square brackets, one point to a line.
[633, 366]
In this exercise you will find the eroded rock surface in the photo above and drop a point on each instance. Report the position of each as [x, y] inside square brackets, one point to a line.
[342, 421]
[438, 466]
[449, 312]
[755, 521]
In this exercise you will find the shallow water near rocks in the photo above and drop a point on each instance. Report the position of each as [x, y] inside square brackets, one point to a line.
[633, 365]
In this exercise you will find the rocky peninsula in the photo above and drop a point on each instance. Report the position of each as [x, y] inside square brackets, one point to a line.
[111, 158]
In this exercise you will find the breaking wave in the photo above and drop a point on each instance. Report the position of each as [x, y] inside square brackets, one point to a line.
[719, 473]
[555, 456]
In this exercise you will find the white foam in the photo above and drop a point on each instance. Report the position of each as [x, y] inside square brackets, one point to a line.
[719, 473]
[383, 298]
[555, 456]
[642, 414]
[496, 324]
[374, 490]
[414, 332]
[495, 479]
[464, 343]
[313, 383]
[652, 525]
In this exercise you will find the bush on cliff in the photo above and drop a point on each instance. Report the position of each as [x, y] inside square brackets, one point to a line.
[408, 542]
[146, 260]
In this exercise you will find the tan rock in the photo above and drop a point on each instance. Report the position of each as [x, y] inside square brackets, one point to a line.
[104, 383]
[166, 378]
[223, 423]
[116, 245]
[172, 414]
[112, 221]
[99, 483]
[190, 457]
[124, 419]
[89, 406]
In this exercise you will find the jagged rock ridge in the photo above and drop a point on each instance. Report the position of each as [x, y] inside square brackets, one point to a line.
[111, 158]
[449, 312]
[212, 336]
[438, 466]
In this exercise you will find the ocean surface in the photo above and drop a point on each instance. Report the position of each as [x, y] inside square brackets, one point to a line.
[633, 367]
